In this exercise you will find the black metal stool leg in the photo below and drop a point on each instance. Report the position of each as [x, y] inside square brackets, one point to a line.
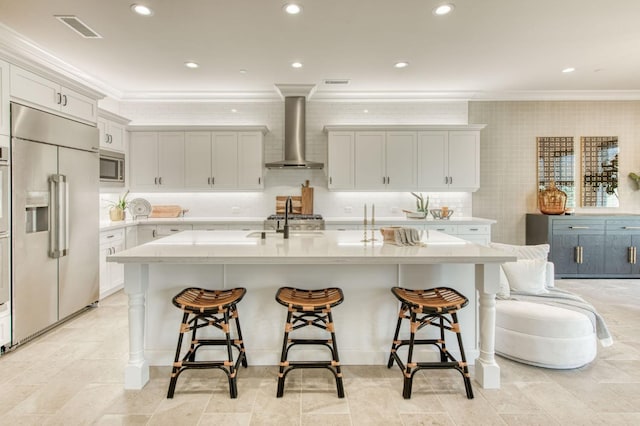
[465, 368]
[283, 357]
[176, 369]
[336, 358]
[394, 345]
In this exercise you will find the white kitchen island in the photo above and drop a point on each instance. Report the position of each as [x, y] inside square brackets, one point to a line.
[157, 271]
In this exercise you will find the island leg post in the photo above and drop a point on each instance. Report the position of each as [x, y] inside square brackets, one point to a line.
[487, 371]
[136, 281]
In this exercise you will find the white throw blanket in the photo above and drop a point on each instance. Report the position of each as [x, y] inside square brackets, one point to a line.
[566, 299]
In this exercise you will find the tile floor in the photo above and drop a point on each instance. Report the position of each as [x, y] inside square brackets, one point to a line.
[74, 375]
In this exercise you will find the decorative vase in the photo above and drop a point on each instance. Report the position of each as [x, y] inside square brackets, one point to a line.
[552, 200]
[116, 214]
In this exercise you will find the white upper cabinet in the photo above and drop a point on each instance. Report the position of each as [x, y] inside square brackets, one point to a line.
[5, 125]
[250, 160]
[157, 161]
[404, 157]
[112, 129]
[449, 160]
[370, 171]
[223, 160]
[400, 160]
[341, 160]
[39, 91]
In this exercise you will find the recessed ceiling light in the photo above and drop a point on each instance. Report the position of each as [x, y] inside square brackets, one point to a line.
[296, 64]
[401, 64]
[141, 9]
[443, 9]
[234, 110]
[568, 70]
[243, 71]
[191, 64]
[292, 8]
[365, 111]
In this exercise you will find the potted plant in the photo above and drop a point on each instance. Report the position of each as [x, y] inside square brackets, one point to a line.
[117, 210]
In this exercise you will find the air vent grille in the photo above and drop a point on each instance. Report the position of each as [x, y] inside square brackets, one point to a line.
[336, 81]
[78, 26]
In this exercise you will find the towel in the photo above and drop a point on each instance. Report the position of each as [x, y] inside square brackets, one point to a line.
[402, 236]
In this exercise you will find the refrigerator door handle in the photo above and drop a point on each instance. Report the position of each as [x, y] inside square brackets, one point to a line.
[59, 233]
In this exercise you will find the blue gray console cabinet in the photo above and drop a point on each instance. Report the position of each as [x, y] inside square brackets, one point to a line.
[588, 246]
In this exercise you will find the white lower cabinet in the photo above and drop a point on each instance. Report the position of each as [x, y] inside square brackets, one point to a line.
[111, 274]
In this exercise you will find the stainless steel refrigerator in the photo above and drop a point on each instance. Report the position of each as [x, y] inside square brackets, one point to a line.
[55, 219]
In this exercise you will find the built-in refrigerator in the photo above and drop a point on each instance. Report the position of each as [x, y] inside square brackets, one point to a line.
[55, 219]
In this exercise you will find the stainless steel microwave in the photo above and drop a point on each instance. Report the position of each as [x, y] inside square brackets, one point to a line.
[112, 167]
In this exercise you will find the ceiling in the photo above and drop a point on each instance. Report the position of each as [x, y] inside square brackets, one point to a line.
[484, 49]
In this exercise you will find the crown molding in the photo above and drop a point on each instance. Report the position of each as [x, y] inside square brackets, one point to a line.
[265, 96]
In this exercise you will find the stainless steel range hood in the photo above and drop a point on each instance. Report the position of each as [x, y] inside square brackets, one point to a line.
[294, 137]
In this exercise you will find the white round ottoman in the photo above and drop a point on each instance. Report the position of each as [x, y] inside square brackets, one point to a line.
[544, 335]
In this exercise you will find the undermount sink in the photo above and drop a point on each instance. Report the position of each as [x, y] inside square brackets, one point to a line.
[292, 234]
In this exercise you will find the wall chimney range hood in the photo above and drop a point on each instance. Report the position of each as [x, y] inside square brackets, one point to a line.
[294, 137]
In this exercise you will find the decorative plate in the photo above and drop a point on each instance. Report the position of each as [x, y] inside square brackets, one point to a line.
[139, 207]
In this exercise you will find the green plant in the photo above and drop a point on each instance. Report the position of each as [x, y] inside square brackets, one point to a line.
[422, 205]
[122, 202]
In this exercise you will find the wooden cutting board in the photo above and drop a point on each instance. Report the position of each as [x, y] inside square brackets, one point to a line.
[307, 200]
[296, 203]
[166, 211]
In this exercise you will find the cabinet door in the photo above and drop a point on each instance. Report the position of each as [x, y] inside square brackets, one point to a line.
[250, 160]
[101, 124]
[171, 160]
[341, 160]
[617, 254]
[592, 254]
[34, 89]
[117, 136]
[197, 160]
[104, 269]
[5, 125]
[78, 105]
[225, 160]
[144, 160]
[131, 237]
[116, 270]
[401, 161]
[370, 160]
[432, 160]
[146, 233]
[563, 253]
[464, 160]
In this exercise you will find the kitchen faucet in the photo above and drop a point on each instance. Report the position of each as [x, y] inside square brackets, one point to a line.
[288, 208]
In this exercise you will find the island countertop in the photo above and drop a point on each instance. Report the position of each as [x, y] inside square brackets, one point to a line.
[303, 247]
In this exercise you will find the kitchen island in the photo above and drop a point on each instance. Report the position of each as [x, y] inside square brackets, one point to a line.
[156, 271]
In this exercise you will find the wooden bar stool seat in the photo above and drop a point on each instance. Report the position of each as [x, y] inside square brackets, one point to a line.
[309, 308]
[204, 308]
[429, 307]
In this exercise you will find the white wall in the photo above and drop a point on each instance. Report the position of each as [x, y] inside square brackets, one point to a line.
[508, 163]
[288, 182]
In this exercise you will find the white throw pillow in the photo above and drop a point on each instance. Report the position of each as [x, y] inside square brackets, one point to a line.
[503, 291]
[526, 275]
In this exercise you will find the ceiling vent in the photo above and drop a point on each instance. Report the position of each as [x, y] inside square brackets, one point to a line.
[337, 82]
[78, 26]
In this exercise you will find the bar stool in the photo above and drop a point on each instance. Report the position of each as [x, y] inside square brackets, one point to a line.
[429, 307]
[309, 308]
[209, 308]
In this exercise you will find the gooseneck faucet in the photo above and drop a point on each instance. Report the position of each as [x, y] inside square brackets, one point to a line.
[288, 208]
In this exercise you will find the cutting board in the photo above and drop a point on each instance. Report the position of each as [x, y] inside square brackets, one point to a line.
[307, 200]
[166, 211]
[296, 203]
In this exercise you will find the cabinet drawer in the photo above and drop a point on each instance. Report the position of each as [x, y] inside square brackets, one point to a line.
[623, 227]
[112, 237]
[578, 226]
[444, 227]
[163, 230]
[473, 229]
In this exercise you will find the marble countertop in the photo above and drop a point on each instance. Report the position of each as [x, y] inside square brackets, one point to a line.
[395, 220]
[305, 247]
